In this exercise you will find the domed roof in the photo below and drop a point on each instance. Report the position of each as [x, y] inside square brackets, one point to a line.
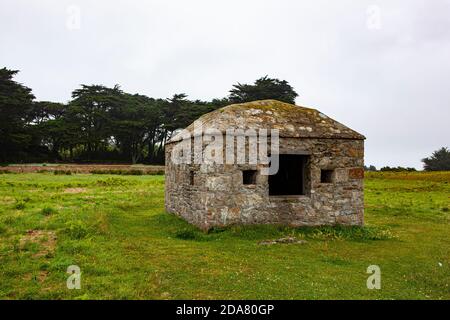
[292, 121]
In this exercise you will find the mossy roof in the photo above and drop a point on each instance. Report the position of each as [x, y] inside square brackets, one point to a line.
[292, 121]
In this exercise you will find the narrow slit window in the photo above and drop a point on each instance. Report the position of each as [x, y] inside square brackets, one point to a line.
[191, 177]
[249, 177]
[326, 176]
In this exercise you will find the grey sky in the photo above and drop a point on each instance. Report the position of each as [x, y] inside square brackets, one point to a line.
[380, 67]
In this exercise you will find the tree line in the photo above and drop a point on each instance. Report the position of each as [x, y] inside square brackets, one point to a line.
[102, 124]
[438, 161]
[107, 125]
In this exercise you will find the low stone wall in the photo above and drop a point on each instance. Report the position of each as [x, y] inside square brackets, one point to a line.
[81, 168]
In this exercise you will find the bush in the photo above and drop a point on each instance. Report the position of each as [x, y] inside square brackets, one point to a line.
[438, 161]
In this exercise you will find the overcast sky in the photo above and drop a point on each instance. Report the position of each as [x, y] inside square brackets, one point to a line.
[380, 67]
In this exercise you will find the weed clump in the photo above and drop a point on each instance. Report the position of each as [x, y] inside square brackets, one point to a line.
[47, 211]
[113, 182]
[76, 229]
[259, 232]
[189, 234]
[354, 233]
[20, 205]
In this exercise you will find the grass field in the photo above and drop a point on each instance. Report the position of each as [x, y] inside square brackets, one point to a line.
[115, 229]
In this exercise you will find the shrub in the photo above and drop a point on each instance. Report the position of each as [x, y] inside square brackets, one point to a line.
[438, 161]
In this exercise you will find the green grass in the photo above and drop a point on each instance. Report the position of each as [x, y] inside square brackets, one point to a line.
[115, 229]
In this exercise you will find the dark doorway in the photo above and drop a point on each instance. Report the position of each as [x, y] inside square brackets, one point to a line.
[291, 176]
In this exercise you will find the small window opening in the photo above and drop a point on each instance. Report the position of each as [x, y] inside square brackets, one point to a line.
[292, 176]
[249, 177]
[191, 177]
[326, 176]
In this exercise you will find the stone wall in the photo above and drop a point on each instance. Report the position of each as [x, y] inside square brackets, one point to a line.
[218, 197]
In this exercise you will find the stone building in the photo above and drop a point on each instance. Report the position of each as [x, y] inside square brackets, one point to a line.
[319, 179]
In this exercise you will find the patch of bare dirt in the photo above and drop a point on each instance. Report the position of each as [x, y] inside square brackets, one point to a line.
[7, 200]
[39, 277]
[42, 276]
[46, 240]
[283, 240]
[75, 190]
